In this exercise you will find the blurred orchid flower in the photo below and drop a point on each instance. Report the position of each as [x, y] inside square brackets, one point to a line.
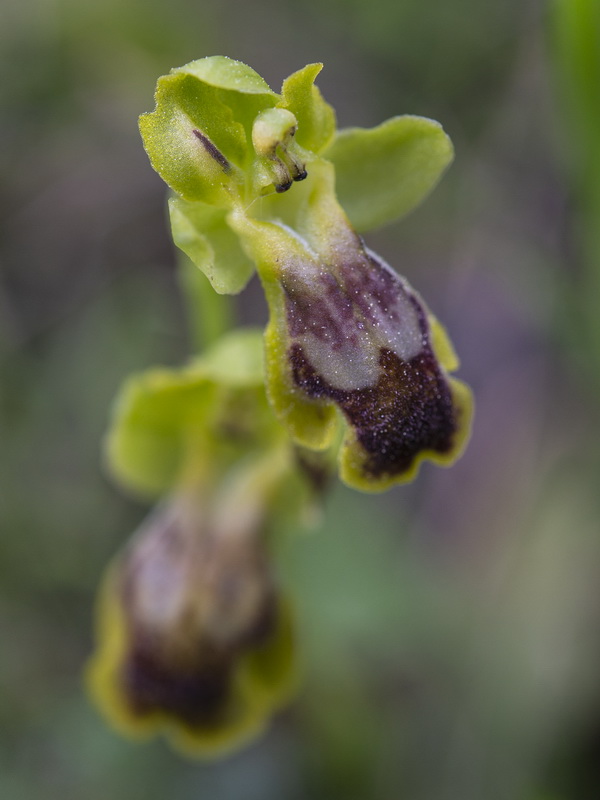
[194, 637]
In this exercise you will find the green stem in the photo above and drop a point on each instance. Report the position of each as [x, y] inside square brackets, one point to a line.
[210, 314]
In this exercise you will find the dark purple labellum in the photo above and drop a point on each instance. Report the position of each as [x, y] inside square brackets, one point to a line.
[195, 697]
[360, 338]
[407, 411]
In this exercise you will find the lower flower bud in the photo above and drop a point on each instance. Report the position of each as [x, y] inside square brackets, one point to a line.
[195, 639]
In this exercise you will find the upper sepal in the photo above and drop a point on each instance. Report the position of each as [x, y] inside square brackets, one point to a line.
[227, 73]
[192, 140]
[382, 173]
[198, 136]
[219, 135]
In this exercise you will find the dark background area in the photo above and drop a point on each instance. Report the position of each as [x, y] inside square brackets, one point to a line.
[451, 629]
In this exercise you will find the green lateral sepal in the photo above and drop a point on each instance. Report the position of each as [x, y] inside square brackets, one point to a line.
[383, 173]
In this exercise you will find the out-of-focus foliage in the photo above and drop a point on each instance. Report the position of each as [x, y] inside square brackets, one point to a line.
[452, 629]
[575, 35]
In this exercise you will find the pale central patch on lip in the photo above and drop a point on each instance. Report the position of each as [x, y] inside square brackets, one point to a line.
[343, 315]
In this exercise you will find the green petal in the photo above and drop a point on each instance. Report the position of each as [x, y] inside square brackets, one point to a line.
[316, 118]
[201, 231]
[382, 173]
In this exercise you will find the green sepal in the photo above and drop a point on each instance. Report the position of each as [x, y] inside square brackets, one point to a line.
[316, 118]
[198, 136]
[201, 231]
[192, 140]
[383, 173]
[168, 423]
[227, 73]
[239, 89]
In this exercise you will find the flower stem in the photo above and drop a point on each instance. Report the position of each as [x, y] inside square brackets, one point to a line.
[210, 314]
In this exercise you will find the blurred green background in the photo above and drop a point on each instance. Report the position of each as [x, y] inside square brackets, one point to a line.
[451, 629]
